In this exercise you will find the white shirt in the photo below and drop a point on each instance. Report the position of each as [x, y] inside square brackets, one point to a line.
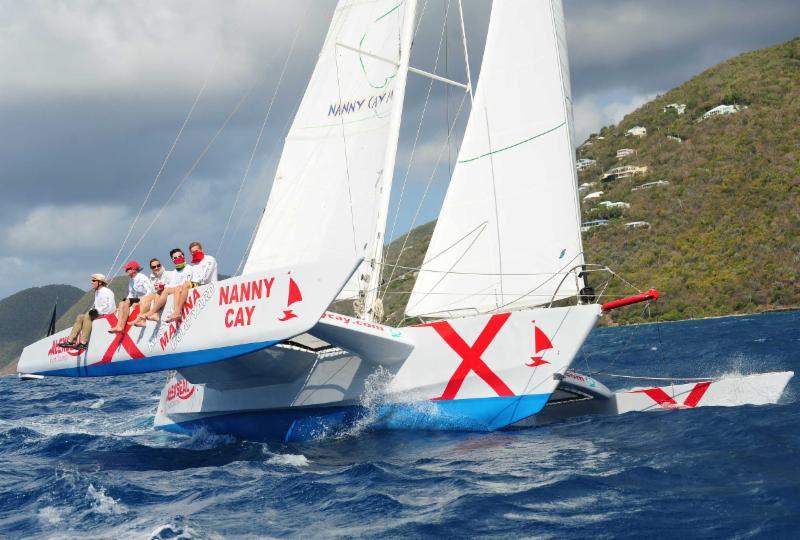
[163, 279]
[205, 271]
[104, 301]
[179, 277]
[139, 286]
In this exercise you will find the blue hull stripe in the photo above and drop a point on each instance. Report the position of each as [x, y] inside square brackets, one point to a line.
[160, 363]
[304, 424]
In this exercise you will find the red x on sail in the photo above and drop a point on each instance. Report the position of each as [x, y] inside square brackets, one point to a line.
[471, 356]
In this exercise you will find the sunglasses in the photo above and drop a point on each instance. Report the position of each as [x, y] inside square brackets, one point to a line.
[96, 281]
[155, 266]
[178, 257]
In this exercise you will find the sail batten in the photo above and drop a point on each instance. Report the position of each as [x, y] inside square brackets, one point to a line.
[514, 175]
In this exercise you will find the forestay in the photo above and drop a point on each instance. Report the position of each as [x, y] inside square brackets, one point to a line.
[327, 187]
[510, 223]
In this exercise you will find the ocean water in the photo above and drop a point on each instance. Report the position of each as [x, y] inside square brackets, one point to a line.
[79, 459]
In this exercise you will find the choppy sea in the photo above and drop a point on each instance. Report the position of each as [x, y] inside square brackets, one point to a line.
[79, 459]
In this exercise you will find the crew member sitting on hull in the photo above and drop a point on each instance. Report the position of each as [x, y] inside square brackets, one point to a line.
[103, 305]
[138, 287]
[204, 271]
[177, 277]
[158, 278]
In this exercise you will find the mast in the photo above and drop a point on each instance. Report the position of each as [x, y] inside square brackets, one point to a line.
[373, 284]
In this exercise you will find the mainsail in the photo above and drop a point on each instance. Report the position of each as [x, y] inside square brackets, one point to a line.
[509, 228]
[327, 189]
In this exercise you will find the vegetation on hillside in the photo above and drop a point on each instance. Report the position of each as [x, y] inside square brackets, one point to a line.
[724, 234]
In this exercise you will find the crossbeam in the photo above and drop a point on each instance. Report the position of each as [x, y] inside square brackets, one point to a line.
[411, 69]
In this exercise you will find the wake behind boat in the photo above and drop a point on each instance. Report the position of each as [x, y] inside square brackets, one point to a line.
[502, 295]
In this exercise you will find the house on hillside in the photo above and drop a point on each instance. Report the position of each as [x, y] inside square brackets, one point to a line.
[594, 223]
[720, 110]
[679, 108]
[622, 153]
[618, 204]
[593, 195]
[636, 131]
[625, 171]
[637, 225]
[674, 138]
[649, 185]
[584, 163]
[585, 186]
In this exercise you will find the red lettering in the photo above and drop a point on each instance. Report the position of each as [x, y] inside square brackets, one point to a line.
[164, 340]
[249, 311]
[234, 294]
[256, 290]
[239, 318]
[268, 285]
[245, 295]
[228, 321]
[223, 295]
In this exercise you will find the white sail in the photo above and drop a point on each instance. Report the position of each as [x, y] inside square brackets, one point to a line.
[326, 190]
[509, 228]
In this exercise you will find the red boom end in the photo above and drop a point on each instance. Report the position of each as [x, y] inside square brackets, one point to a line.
[652, 294]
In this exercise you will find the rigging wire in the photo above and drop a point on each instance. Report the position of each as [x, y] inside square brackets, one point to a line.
[416, 140]
[261, 131]
[112, 269]
[191, 169]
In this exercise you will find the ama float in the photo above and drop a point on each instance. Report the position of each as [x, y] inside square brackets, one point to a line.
[502, 295]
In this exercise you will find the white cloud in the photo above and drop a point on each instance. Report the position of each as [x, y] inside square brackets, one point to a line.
[594, 111]
[78, 48]
[62, 229]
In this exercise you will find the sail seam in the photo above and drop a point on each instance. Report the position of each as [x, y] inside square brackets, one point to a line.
[509, 147]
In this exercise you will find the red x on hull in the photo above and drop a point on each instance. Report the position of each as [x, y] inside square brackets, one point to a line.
[121, 338]
[471, 360]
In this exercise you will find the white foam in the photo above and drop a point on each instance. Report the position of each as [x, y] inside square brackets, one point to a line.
[50, 514]
[97, 404]
[294, 460]
[104, 504]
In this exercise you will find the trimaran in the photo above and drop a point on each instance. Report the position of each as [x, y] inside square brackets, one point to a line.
[502, 291]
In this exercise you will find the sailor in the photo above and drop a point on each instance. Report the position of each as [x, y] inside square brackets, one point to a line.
[176, 278]
[204, 271]
[158, 278]
[103, 305]
[138, 287]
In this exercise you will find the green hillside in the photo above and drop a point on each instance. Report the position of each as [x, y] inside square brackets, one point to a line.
[25, 316]
[723, 234]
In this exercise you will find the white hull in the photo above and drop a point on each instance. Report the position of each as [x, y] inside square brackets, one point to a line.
[584, 396]
[473, 373]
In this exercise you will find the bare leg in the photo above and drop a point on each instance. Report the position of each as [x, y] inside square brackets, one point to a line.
[158, 304]
[123, 310]
[180, 299]
[144, 307]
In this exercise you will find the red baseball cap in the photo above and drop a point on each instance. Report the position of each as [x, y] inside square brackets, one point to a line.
[132, 264]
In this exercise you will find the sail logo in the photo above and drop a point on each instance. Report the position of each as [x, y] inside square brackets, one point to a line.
[191, 310]
[181, 390]
[471, 360]
[342, 108]
[665, 401]
[247, 291]
[57, 349]
[541, 343]
[294, 297]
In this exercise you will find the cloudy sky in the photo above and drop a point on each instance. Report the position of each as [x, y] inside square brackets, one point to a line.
[93, 94]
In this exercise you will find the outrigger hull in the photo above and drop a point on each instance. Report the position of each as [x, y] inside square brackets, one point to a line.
[478, 373]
